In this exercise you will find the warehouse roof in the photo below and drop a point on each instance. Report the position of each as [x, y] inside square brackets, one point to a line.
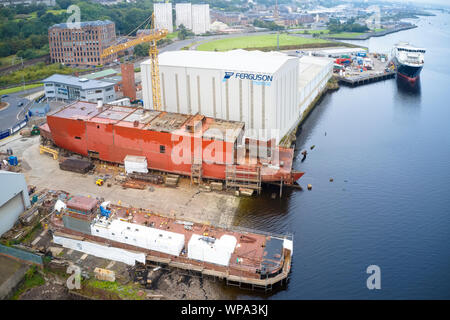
[101, 74]
[239, 60]
[83, 83]
[310, 67]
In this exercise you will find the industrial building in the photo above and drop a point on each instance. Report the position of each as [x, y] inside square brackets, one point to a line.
[314, 73]
[338, 52]
[14, 199]
[83, 45]
[183, 12]
[266, 90]
[201, 21]
[163, 16]
[68, 88]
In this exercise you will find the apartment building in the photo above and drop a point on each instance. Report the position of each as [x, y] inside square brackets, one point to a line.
[81, 46]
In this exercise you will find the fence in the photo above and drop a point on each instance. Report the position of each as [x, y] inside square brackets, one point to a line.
[20, 254]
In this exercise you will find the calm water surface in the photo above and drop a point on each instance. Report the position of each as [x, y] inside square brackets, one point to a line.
[388, 150]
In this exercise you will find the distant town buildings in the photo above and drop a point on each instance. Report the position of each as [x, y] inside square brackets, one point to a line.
[6, 3]
[163, 16]
[81, 46]
[194, 17]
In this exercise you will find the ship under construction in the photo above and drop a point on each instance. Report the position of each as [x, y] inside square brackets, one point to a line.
[239, 256]
[191, 145]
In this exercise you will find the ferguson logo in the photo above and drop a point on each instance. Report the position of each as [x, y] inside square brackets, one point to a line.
[227, 76]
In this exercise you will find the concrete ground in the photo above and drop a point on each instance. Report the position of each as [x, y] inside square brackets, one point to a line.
[185, 202]
[11, 273]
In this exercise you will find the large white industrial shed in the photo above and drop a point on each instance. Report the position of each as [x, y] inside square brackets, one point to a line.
[314, 73]
[259, 88]
[14, 199]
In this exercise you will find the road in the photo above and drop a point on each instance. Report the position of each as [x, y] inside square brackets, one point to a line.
[11, 115]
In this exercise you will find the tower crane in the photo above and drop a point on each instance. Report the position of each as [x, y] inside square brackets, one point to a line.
[152, 38]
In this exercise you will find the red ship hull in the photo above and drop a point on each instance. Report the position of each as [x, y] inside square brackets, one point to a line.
[107, 135]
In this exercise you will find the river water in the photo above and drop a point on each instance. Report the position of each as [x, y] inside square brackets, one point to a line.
[387, 147]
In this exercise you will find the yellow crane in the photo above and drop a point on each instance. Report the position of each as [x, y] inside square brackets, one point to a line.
[152, 38]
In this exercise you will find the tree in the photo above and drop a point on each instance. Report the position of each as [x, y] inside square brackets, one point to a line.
[63, 4]
[184, 33]
[141, 50]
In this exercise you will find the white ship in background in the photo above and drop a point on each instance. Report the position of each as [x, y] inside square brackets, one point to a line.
[408, 60]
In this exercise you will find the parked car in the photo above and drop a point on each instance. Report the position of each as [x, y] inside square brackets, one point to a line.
[20, 104]
[4, 96]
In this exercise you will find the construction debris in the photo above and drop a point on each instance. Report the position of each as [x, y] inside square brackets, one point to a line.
[105, 274]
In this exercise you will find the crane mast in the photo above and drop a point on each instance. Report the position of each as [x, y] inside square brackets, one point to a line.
[152, 39]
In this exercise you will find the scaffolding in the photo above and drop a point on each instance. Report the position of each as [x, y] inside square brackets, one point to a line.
[243, 177]
[196, 171]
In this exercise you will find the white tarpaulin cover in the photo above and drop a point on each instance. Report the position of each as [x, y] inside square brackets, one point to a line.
[101, 251]
[140, 236]
[218, 252]
[59, 205]
[135, 164]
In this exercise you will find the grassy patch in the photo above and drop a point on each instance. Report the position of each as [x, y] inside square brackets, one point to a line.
[20, 88]
[56, 12]
[126, 292]
[256, 42]
[172, 35]
[38, 71]
[312, 31]
[30, 235]
[8, 61]
[346, 35]
[32, 279]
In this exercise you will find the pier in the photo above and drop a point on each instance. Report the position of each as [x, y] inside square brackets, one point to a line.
[356, 74]
[365, 79]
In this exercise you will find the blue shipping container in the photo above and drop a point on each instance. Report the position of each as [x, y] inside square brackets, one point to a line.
[13, 161]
